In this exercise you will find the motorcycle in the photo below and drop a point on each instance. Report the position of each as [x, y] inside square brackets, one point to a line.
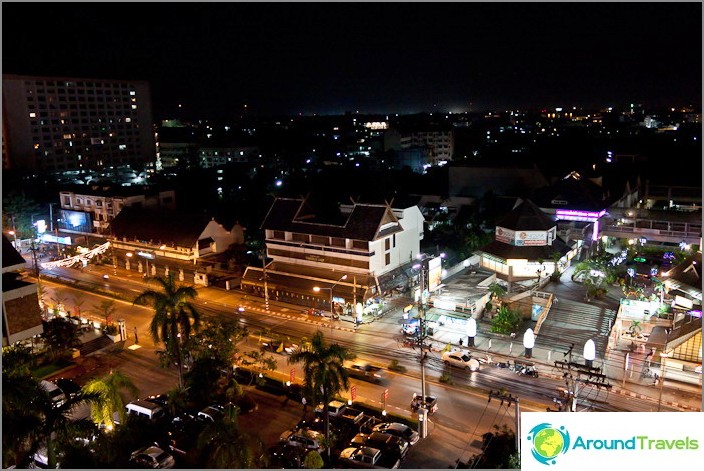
[527, 370]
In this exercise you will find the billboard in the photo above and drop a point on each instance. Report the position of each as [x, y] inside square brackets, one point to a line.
[434, 273]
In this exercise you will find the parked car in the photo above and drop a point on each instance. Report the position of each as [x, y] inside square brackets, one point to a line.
[287, 456]
[55, 393]
[161, 400]
[387, 443]
[211, 413]
[146, 409]
[460, 360]
[69, 387]
[305, 438]
[400, 430]
[152, 457]
[368, 457]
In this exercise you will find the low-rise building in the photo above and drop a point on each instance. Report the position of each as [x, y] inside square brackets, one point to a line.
[352, 256]
[21, 314]
[93, 207]
[525, 246]
[154, 240]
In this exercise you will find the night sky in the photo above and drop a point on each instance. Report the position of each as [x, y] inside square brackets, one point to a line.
[282, 58]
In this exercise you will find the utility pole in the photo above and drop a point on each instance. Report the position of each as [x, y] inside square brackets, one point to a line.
[503, 396]
[266, 287]
[576, 373]
[422, 410]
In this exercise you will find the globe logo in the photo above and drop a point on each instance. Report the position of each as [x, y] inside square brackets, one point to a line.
[548, 442]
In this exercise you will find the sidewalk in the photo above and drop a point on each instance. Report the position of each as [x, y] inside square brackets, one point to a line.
[675, 394]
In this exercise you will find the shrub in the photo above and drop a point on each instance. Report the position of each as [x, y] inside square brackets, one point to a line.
[445, 378]
[111, 329]
[394, 366]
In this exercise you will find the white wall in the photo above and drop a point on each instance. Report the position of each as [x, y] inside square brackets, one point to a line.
[223, 239]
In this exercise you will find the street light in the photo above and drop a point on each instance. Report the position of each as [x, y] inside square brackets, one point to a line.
[529, 342]
[589, 353]
[663, 356]
[471, 331]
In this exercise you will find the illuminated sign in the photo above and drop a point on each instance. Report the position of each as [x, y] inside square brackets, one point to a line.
[577, 215]
[505, 235]
[148, 255]
[684, 302]
[434, 273]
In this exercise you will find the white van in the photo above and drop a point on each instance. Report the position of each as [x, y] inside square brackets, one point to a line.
[55, 393]
[145, 409]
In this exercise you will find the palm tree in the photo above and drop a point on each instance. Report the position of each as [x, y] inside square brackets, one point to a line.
[109, 389]
[175, 317]
[223, 445]
[20, 420]
[35, 419]
[496, 290]
[324, 373]
[106, 308]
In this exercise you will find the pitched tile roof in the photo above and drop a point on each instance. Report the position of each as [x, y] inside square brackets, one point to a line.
[159, 226]
[540, 252]
[526, 216]
[362, 223]
[11, 258]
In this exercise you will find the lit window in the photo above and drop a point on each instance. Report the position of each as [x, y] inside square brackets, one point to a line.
[134, 107]
[32, 115]
[132, 93]
[128, 120]
[122, 146]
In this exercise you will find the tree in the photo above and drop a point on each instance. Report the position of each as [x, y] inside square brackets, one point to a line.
[175, 317]
[20, 421]
[217, 340]
[496, 290]
[223, 445]
[17, 211]
[59, 300]
[35, 419]
[324, 373]
[506, 321]
[313, 460]
[498, 451]
[260, 361]
[60, 336]
[106, 309]
[109, 389]
[555, 257]
[78, 300]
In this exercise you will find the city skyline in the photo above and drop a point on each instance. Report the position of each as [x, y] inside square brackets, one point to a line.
[330, 58]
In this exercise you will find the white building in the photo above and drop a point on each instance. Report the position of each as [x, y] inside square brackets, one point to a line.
[92, 208]
[367, 245]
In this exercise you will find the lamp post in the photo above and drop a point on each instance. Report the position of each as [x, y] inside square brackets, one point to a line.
[529, 342]
[317, 289]
[589, 353]
[663, 356]
[471, 331]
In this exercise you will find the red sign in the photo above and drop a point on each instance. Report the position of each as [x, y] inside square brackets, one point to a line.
[293, 375]
[386, 393]
[353, 392]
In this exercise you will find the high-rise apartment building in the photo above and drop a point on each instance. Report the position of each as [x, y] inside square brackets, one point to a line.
[59, 124]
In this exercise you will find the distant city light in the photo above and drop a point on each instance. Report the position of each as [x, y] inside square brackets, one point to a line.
[278, 183]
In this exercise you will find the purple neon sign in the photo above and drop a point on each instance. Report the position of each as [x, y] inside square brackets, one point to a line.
[581, 214]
